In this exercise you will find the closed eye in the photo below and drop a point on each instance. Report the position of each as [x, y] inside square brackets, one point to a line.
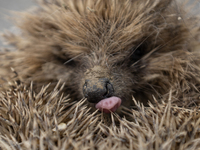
[137, 54]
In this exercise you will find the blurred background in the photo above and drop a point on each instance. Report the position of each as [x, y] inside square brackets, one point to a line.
[20, 5]
[15, 5]
[11, 5]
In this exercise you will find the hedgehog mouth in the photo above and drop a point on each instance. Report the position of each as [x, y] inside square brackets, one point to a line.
[109, 105]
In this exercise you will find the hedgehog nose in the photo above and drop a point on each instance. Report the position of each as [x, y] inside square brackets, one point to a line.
[97, 90]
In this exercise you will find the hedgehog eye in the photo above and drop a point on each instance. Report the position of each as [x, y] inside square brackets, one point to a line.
[138, 52]
[136, 55]
[62, 57]
[66, 61]
[70, 62]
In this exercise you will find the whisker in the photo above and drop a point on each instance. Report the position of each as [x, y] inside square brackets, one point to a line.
[72, 59]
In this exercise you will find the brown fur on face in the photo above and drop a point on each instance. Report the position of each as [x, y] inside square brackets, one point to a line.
[144, 48]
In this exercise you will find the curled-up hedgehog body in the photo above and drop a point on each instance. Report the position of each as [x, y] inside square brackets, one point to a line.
[109, 51]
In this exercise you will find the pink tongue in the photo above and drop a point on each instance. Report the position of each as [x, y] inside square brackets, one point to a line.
[109, 104]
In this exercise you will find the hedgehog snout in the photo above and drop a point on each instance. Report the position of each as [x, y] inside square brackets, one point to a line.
[96, 90]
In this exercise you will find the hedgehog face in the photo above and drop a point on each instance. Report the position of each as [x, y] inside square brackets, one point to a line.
[106, 51]
[109, 80]
[115, 52]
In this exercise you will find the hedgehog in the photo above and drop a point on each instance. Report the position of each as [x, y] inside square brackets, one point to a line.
[108, 51]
